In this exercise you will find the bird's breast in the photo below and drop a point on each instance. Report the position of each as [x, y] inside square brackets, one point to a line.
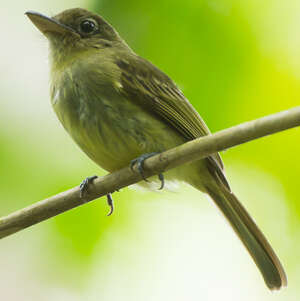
[110, 128]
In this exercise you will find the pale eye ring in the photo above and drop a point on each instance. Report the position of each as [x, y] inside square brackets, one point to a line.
[87, 26]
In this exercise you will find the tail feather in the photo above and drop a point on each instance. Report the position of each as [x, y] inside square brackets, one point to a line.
[253, 239]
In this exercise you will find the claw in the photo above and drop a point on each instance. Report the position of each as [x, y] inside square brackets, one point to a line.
[84, 188]
[85, 185]
[162, 181]
[140, 167]
[140, 163]
[110, 203]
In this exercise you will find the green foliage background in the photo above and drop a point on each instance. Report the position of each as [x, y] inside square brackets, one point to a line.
[235, 61]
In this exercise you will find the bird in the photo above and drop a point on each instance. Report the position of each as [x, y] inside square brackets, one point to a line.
[121, 109]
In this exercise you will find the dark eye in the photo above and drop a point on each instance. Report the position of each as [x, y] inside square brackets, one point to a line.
[87, 26]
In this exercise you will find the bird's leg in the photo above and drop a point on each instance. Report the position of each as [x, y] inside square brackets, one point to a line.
[140, 166]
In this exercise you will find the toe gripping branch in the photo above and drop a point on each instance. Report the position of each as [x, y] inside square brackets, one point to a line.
[140, 167]
[84, 186]
[84, 189]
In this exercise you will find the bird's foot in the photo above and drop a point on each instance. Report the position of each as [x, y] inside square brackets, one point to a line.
[84, 188]
[85, 185]
[140, 166]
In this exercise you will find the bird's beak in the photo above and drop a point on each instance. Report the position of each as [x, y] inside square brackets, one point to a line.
[49, 25]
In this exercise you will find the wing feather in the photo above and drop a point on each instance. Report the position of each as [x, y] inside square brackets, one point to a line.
[150, 87]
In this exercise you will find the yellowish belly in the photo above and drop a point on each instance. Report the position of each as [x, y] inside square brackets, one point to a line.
[113, 131]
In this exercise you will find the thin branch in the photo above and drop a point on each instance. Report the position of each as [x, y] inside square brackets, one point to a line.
[188, 152]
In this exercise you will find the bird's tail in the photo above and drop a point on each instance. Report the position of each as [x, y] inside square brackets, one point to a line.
[253, 239]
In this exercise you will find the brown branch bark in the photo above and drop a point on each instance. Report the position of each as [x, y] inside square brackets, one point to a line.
[190, 151]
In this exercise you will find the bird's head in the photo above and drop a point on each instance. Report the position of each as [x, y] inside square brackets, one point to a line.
[74, 31]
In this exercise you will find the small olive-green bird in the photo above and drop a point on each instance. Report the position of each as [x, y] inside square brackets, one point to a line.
[118, 107]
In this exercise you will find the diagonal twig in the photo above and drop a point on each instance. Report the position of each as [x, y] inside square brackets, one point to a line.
[188, 152]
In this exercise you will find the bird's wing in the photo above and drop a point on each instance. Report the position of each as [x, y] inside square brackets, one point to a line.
[150, 87]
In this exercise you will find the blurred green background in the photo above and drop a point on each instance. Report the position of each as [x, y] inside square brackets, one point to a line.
[235, 61]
